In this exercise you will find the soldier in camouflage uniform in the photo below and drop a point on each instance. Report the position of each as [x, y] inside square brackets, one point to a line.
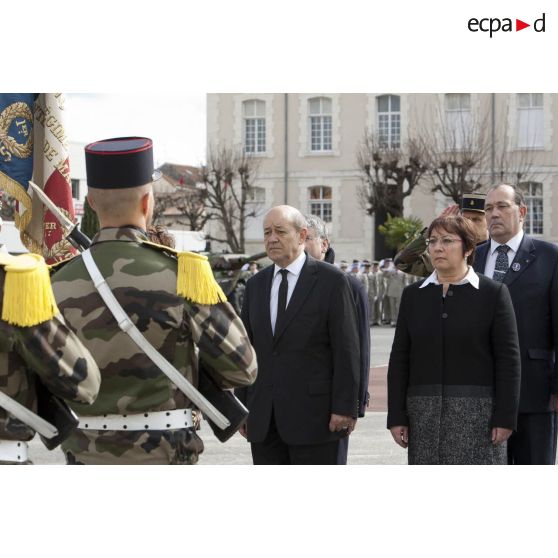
[414, 258]
[143, 278]
[40, 346]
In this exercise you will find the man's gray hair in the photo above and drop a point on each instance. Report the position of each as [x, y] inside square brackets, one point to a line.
[315, 223]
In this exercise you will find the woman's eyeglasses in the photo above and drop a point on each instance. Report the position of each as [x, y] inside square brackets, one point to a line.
[446, 242]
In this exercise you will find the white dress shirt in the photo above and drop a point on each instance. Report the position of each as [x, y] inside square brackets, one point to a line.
[513, 244]
[294, 269]
[471, 278]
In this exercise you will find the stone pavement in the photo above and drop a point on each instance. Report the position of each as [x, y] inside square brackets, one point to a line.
[370, 444]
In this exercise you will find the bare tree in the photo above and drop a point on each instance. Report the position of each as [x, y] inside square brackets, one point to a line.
[229, 179]
[388, 174]
[463, 156]
[189, 203]
[511, 165]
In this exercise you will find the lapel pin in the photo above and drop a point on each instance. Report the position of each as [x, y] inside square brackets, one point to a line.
[516, 266]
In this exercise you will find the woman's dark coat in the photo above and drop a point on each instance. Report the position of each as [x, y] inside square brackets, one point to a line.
[454, 371]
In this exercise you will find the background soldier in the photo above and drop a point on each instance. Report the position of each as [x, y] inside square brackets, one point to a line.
[373, 292]
[395, 282]
[369, 287]
[140, 417]
[35, 340]
[253, 268]
[360, 276]
[385, 311]
[414, 259]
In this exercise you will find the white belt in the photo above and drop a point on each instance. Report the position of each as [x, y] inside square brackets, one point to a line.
[158, 420]
[11, 450]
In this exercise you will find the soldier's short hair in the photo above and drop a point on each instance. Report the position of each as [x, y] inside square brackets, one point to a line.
[160, 235]
[315, 223]
[460, 226]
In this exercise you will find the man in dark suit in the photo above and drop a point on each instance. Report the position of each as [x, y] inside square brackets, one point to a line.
[529, 268]
[317, 246]
[300, 318]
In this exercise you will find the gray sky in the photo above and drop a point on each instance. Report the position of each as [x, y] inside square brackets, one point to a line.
[174, 121]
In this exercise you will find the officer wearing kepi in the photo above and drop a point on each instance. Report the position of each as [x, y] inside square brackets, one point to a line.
[35, 345]
[141, 416]
[413, 258]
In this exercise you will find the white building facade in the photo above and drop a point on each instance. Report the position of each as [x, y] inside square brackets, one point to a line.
[306, 146]
[78, 176]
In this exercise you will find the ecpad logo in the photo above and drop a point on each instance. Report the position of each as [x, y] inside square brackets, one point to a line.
[494, 24]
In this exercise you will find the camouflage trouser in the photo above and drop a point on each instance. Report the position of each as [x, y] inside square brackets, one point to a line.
[152, 447]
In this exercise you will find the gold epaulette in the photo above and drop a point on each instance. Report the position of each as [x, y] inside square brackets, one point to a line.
[194, 278]
[28, 297]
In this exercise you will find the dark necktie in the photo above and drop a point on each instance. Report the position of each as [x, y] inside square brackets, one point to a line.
[282, 299]
[502, 263]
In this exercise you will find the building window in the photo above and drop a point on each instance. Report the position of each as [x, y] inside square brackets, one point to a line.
[319, 110]
[458, 119]
[255, 195]
[389, 120]
[530, 120]
[320, 202]
[533, 192]
[254, 126]
[75, 188]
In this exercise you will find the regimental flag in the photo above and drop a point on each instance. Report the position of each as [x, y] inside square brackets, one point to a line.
[34, 144]
[16, 151]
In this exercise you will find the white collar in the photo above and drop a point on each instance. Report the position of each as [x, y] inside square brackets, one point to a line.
[294, 267]
[513, 243]
[471, 278]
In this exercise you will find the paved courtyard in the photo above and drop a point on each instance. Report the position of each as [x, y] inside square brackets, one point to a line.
[371, 442]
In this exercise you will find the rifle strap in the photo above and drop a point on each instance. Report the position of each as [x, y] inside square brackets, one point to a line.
[128, 327]
[31, 419]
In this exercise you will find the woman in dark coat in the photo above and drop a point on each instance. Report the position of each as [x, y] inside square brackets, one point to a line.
[454, 369]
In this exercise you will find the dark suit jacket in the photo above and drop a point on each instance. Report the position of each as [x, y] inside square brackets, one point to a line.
[463, 345]
[310, 369]
[360, 297]
[534, 292]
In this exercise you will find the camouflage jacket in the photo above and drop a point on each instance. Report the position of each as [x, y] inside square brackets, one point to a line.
[143, 279]
[53, 353]
[413, 258]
